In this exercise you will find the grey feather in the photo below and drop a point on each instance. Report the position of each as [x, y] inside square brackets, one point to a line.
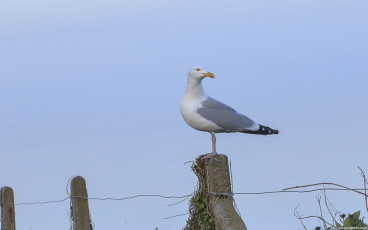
[211, 103]
[224, 116]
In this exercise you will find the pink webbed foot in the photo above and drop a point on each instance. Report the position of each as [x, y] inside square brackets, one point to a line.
[208, 155]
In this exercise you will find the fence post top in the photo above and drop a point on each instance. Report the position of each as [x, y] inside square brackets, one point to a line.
[4, 188]
[6, 191]
[77, 179]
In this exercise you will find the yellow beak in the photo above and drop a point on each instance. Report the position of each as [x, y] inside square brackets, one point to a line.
[211, 75]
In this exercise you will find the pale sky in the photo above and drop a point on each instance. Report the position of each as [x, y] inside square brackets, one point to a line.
[93, 88]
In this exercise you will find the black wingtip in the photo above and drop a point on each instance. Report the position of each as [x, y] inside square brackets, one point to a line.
[263, 130]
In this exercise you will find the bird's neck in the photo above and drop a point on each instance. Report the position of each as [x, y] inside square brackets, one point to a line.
[195, 88]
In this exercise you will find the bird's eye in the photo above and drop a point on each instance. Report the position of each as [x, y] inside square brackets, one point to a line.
[198, 69]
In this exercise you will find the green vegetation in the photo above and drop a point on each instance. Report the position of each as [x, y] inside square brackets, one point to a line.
[200, 215]
[353, 220]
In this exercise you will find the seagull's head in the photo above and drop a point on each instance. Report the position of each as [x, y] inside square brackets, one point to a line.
[199, 73]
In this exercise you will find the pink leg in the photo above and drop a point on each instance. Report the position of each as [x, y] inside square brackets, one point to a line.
[214, 153]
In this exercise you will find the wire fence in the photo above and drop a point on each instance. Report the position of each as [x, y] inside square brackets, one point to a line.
[309, 188]
[358, 190]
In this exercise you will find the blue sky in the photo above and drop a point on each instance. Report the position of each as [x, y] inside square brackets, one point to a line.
[93, 88]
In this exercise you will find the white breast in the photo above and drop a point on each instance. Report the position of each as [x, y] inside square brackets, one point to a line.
[188, 107]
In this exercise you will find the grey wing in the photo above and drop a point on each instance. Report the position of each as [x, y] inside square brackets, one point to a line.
[225, 116]
[211, 103]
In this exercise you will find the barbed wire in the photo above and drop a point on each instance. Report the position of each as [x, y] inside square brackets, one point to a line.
[97, 198]
[289, 190]
[299, 191]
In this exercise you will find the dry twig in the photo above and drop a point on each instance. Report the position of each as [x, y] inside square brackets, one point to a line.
[365, 187]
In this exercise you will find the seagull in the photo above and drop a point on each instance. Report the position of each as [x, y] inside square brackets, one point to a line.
[204, 113]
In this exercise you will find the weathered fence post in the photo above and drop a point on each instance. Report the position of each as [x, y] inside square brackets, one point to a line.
[79, 205]
[7, 209]
[218, 181]
[212, 205]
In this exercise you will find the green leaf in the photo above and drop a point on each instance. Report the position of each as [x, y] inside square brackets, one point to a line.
[356, 215]
[347, 223]
[354, 221]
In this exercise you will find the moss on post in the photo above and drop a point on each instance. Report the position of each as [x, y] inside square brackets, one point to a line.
[208, 209]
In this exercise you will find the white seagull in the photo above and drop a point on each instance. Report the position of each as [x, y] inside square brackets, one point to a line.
[204, 113]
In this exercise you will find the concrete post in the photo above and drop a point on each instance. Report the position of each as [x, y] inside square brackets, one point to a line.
[79, 205]
[217, 179]
[7, 209]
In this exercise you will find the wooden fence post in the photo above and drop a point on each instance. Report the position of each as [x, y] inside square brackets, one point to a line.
[7, 209]
[215, 185]
[218, 181]
[79, 205]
